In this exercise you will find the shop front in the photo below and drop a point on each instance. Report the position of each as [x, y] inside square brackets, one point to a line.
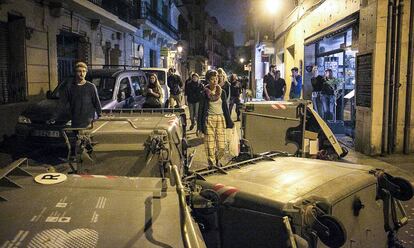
[333, 52]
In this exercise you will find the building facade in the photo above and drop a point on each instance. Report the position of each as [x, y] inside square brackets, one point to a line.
[192, 30]
[41, 40]
[365, 43]
[219, 44]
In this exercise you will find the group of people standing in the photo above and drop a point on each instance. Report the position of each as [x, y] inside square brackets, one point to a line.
[323, 93]
[154, 94]
[274, 86]
[210, 104]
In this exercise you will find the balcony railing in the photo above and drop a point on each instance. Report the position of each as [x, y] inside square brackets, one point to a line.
[153, 16]
[126, 10]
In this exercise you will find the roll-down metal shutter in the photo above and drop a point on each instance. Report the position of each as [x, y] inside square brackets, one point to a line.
[4, 62]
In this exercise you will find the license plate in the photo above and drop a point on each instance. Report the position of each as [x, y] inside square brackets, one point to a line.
[46, 133]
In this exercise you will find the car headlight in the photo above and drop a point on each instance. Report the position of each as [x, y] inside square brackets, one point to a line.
[23, 120]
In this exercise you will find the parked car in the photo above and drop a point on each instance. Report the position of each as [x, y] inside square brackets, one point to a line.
[162, 74]
[117, 89]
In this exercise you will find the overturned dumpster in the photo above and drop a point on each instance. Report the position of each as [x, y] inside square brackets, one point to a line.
[289, 126]
[58, 210]
[277, 201]
[131, 142]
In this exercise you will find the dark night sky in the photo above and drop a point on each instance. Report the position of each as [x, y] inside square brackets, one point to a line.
[231, 15]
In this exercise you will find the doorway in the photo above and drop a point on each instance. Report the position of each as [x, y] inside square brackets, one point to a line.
[71, 48]
[336, 52]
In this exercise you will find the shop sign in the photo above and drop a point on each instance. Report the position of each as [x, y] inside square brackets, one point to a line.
[269, 50]
[164, 52]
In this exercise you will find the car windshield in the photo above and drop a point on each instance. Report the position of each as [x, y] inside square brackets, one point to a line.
[160, 75]
[104, 85]
[61, 87]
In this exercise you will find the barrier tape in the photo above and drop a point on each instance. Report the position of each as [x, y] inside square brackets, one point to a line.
[226, 193]
[278, 106]
[96, 176]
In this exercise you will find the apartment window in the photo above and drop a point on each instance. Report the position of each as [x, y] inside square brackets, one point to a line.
[153, 58]
[154, 5]
[165, 12]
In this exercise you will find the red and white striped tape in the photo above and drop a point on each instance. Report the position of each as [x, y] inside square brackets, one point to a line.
[95, 176]
[226, 193]
[278, 106]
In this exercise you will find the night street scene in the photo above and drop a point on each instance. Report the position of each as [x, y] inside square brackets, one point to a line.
[206, 123]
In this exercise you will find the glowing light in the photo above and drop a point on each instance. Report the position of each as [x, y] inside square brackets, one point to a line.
[271, 6]
[242, 60]
[180, 49]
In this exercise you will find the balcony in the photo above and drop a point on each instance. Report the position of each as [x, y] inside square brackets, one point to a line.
[126, 10]
[152, 15]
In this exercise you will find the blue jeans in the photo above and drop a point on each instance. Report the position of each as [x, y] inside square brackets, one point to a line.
[317, 103]
[273, 98]
[193, 108]
[328, 106]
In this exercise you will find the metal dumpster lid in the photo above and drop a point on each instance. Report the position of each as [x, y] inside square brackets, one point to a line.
[90, 211]
[289, 179]
[146, 123]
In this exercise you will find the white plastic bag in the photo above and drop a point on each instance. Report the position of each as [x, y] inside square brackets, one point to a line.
[233, 141]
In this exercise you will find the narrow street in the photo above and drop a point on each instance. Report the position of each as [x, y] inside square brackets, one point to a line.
[325, 139]
[397, 165]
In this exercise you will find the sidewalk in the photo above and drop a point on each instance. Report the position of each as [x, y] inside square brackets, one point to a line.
[396, 164]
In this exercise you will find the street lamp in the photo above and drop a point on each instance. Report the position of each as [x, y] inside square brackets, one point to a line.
[242, 60]
[179, 49]
[271, 6]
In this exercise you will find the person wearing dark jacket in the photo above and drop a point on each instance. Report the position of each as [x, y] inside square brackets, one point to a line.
[175, 84]
[213, 118]
[235, 91]
[153, 92]
[193, 91]
[82, 98]
[317, 82]
[328, 96]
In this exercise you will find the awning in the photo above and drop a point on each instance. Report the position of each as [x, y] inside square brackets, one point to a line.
[336, 28]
